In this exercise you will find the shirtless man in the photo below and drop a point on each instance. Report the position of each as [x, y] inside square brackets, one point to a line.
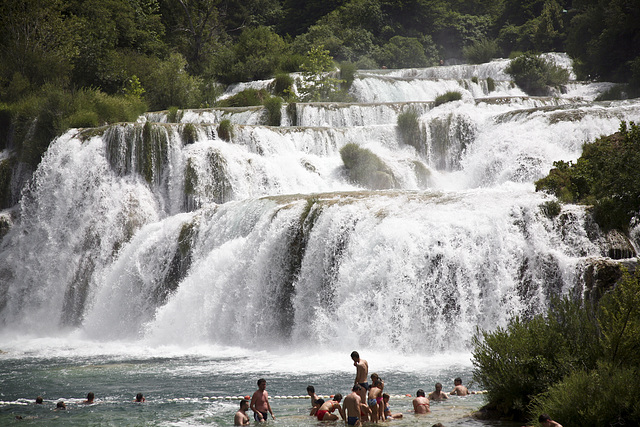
[438, 394]
[311, 391]
[546, 421]
[241, 418]
[387, 409]
[421, 403]
[260, 402]
[325, 412]
[353, 406]
[362, 370]
[375, 401]
[459, 389]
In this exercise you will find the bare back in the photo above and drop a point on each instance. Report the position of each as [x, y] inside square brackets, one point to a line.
[351, 405]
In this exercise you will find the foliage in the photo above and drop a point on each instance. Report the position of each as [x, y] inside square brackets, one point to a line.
[273, 108]
[246, 98]
[283, 85]
[409, 127]
[189, 133]
[225, 130]
[483, 50]
[404, 52]
[535, 74]
[491, 84]
[347, 74]
[365, 168]
[171, 85]
[605, 175]
[318, 82]
[548, 362]
[551, 208]
[452, 95]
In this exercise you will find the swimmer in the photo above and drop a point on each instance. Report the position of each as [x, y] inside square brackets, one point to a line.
[362, 370]
[311, 391]
[459, 389]
[374, 401]
[90, 397]
[39, 400]
[353, 406]
[60, 406]
[438, 394]
[139, 398]
[325, 411]
[546, 421]
[421, 403]
[387, 409]
[260, 402]
[241, 418]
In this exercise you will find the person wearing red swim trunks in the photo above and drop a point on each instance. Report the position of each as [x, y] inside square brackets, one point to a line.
[325, 412]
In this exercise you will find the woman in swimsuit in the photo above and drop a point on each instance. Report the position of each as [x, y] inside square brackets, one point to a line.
[325, 411]
[374, 401]
[387, 409]
[421, 403]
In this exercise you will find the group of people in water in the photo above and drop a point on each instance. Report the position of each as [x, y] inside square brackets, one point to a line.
[366, 402]
[61, 406]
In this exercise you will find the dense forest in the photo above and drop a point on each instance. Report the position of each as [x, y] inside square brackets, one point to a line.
[83, 63]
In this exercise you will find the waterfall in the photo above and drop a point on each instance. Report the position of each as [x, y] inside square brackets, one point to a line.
[167, 233]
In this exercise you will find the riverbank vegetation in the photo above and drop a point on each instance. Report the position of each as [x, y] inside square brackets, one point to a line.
[577, 362]
[75, 56]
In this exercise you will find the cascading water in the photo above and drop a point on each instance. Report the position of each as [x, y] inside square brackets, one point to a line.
[135, 233]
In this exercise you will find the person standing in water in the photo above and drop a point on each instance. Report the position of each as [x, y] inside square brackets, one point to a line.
[353, 406]
[459, 389]
[362, 370]
[438, 394]
[311, 391]
[241, 418]
[260, 402]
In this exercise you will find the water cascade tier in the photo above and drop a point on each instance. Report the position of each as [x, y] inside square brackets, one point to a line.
[176, 233]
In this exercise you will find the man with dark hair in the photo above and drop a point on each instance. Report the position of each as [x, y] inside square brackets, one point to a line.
[354, 407]
[140, 398]
[260, 402]
[362, 371]
[39, 400]
[311, 391]
[325, 412]
[241, 418]
[438, 394]
[458, 388]
[546, 421]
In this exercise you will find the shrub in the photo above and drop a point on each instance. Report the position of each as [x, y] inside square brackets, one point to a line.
[409, 127]
[225, 130]
[535, 75]
[189, 133]
[174, 115]
[448, 97]
[273, 108]
[169, 84]
[551, 209]
[491, 84]
[365, 168]
[246, 98]
[283, 85]
[604, 176]
[347, 74]
[483, 50]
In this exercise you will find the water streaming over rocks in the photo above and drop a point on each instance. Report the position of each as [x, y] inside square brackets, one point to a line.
[168, 233]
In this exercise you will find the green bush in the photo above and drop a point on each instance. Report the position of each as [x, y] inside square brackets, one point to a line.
[6, 167]
[535, 75]
[170, 85]
[189, 133]
[409, 127]
[452, 95]
[491, 84]
[604, 176]
[347, 74]
[225, 130]
[365, 168]
[246, 98]
[483, 50]
[273, 108]
[283, 85]
[174, 115]
[551, 209]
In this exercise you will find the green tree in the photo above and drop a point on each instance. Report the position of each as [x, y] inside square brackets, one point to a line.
[402, 52]
[317, 83]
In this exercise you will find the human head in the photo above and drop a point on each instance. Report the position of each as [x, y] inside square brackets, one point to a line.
[244, 404]
[374, 377]
[90, 396]
[262, 383]
[543, 418]
[420, 393]
[355, 356]
[61, 405]
[337, 397]
[356, 388]
[438, 386]
[457, 381]
[39, 400]
[319, 402]
[311, 390]
[139, 397]
[378, 383]
[385, 397]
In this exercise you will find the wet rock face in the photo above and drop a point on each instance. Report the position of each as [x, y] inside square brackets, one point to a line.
[601, 274]
[619, 246]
